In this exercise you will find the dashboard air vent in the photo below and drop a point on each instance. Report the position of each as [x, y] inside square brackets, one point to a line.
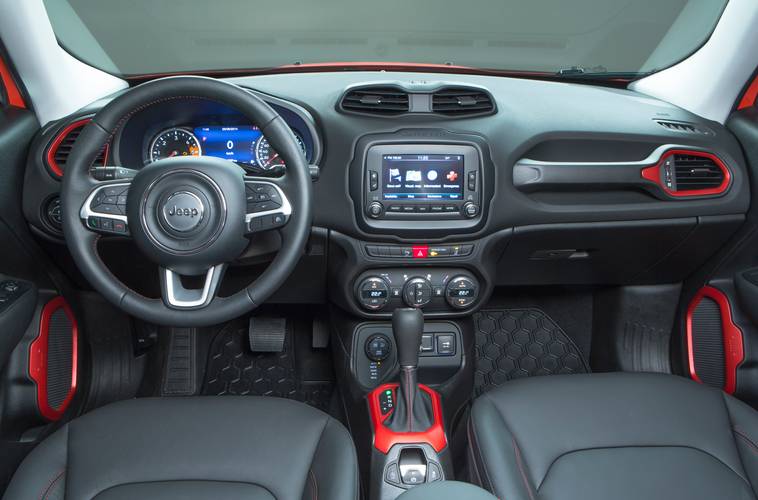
[60, 148]
[461, 101]
[689, 128]
[384, 100]
[696, 173]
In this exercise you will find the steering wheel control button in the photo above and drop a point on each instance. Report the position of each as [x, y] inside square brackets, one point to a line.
[417, 292]
[392, 475]
[461, 292]
[183, 211]
[375, 209]
[378, 348]
[373, 293]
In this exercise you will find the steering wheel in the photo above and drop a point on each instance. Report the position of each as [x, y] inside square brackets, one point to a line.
[190, 215]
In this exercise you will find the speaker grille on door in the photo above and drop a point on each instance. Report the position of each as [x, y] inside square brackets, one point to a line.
[714, 343]
[53, 358]
[708, 343]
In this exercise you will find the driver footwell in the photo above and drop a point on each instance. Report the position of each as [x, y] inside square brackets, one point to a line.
[298, 372]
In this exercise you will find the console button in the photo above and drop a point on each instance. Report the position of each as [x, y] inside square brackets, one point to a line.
[373, 180]
[466, 250]
[472, 181]
[378, 347]
[438, 291]
[417, 292]
[373, 293]
[372, 250]
[375, 209]
[439, 251]
[450, 208]
[434, 473]
[436, 208]
[422, 208]
[461, 292]
[395, 208]
[392, 475]
[409, 208]
[446, 344]
[406, 252]
[396, 292]
[420, 252]
[427, 343]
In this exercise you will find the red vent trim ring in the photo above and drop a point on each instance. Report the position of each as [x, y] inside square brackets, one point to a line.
[385, 439]
[60, 137]
[38, 361]
[734, 351]
[653, 174]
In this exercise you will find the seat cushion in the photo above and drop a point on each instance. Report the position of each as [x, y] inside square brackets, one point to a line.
[193, 448]
[621, 436]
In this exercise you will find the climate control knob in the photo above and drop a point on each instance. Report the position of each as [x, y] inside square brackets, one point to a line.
[373, 293]
[461, 292]
[417, 292]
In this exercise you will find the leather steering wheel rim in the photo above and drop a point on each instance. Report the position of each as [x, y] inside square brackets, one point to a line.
[78, 184]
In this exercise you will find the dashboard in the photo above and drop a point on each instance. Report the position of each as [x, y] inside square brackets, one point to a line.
[476, 182]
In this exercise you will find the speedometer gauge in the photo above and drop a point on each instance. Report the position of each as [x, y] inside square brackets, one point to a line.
[174, 142]
[268, 158]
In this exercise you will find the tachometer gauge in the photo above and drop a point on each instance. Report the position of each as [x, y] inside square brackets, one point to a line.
[174, 142]
[267, 157]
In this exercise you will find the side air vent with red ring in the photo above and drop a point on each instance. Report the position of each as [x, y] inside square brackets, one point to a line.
[684, 173]
[63, 143]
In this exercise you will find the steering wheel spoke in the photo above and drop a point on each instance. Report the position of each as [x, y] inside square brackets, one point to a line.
[104, 209]
[268, 206]
[176, 296]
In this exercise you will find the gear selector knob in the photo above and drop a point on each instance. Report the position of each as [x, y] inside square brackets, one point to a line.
[408, 326]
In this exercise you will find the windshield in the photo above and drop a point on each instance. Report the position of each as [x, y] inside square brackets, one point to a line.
[138, 37]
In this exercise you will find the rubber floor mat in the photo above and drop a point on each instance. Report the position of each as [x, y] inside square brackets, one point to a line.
[234, 370]
[517, 343]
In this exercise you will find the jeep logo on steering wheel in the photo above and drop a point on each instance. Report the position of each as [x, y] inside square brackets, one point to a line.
[183, 211]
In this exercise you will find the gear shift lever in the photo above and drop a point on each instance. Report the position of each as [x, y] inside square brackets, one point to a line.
[413, 410]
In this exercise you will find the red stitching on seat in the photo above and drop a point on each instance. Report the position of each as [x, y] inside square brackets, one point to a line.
[749, 441]
[48, 488]
[521, 469]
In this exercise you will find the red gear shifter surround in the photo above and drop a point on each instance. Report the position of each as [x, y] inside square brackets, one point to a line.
[385, 438]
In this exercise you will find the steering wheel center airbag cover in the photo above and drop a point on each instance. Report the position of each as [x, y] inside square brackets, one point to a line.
[193, 208]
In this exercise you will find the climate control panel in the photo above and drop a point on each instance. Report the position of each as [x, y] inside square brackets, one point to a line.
[427, 288]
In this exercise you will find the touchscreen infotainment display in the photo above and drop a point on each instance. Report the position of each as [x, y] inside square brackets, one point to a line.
[422, 177]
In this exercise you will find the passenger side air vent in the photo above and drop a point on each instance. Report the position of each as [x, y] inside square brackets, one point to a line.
[384, 100]
[685, 173]
[689, 128]
[60, 148]
[462, 101]
[696, 173]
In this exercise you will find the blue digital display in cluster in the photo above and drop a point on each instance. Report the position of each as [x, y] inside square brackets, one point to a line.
[230, 143]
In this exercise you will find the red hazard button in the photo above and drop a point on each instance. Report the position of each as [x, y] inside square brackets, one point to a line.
[420, 252]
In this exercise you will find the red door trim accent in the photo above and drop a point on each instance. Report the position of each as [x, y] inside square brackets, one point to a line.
[734, 351]
[11, 89]
[750, 96]
[38, 359]
[385, 439]
[653, 174]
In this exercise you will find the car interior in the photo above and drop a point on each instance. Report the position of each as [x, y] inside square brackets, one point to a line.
[346, 251]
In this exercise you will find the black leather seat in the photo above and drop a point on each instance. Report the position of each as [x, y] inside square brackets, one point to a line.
[193, 448]
[619, 436]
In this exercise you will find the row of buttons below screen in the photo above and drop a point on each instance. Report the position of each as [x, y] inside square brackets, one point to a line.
[420, 252]
[423, 209]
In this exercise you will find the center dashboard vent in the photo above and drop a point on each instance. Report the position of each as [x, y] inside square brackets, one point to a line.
[462, 101]
[377, 100]
[63, 143]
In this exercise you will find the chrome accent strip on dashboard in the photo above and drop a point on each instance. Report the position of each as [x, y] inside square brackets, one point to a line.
[652, 159]
[285, 209]
[86, 212]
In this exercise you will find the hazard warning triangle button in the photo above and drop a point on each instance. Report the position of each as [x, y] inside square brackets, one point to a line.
[420, 252]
